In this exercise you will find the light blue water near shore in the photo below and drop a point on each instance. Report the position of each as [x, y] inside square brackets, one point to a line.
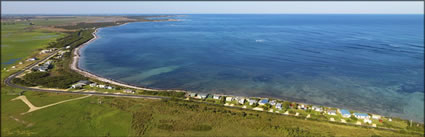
[371, 63]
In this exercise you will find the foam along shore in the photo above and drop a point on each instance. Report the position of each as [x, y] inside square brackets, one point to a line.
[75, 61]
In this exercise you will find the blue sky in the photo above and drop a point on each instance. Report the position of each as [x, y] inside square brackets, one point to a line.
[235, 7]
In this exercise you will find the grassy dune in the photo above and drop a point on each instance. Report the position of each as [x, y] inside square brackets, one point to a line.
[103, 116]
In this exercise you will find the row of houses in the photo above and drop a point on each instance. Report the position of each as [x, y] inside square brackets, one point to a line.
[274, 103]
[82, 83]
[43, 68]
[94, 84]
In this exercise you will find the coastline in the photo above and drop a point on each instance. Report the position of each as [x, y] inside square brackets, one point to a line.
[76, 57]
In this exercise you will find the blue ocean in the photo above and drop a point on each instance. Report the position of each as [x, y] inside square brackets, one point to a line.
[369, 63]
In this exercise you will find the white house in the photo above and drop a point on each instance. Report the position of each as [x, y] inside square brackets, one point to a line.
[129, 91]
[193, 95]
[361, 115]
[302, 106]
[229, 99]
[241, 100]
[316, 108]
[101, 86]
[203, 95]
[78, 85]
[279, 106]
[93, 84]
[331, 112]
[273, 102]
[252, 101]
[31, 59]
[109, 87]
[376, 116]
[216, 97]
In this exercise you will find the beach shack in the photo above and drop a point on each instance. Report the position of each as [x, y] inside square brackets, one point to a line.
[345, 113]
[331, 112]
[361, 115]
[263, 101]
[252, 101]
[279, 106]
[229, 99]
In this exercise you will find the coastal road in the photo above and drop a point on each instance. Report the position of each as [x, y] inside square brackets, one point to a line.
[8, 81]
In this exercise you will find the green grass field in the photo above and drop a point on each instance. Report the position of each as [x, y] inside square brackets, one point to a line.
[19, 42]
[126, 116]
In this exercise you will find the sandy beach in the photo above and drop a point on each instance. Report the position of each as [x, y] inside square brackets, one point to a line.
[76, 58]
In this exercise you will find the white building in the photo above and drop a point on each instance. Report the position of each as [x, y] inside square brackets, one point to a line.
[376, 116]
[361, 115]
[367, 121]
[216, 97]
[101, 86]
[229, 99]
[31, 59]
[241, 100]
[93, 85]
[273, 102]
[252, 101]
[316, 108]
[78, 85]
[279, 106]
[331, 112]
[129, 91]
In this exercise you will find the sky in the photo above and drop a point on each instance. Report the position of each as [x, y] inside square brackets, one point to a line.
[213, 7]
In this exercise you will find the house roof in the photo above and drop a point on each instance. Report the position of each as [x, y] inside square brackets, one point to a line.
[345, 112]
[264, 100]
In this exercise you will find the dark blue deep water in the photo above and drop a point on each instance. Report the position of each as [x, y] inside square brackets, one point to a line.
[371, 63]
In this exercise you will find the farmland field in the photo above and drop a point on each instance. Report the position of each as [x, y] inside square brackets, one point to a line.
[18, 42]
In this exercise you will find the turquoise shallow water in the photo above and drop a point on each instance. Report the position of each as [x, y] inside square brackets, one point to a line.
[371, 63]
